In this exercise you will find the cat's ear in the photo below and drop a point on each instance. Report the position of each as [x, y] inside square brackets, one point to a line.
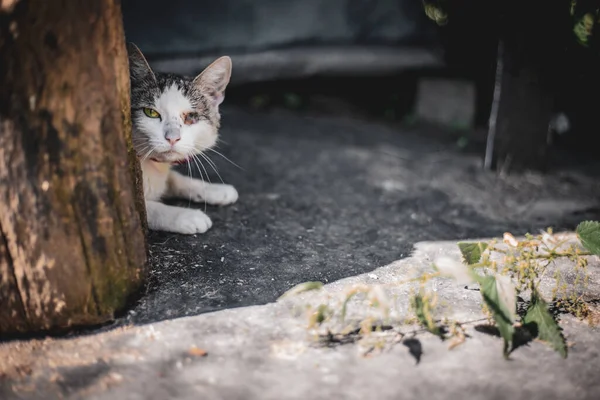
[139, 68]
[214, 79]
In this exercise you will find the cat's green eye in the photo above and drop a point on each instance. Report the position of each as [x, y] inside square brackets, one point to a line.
[150, 113]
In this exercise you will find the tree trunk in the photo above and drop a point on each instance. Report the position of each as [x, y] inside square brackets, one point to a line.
[72, 245]
[532, 48]
[524, 113]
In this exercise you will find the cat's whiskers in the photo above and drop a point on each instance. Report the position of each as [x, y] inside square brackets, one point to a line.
[147, 145]
[145, 157]
[194, 158]
[189, 152]
[212, 164]
[198, 161]
[227, 159]
[141, 150]
[190, 175]
[190, 187]
[137, 141]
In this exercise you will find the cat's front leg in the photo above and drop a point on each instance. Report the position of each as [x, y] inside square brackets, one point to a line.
[162, 217]
[197, 190]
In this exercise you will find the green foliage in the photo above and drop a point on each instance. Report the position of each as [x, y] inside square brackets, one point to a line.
[322, 313]
[423, 308]
[349, 297]
[589, 234]
[434, 9]
[501, 299]
[539, 320]
[585, 19]
[472, 251]
[503, 272]
[520, 269]
[302, 287]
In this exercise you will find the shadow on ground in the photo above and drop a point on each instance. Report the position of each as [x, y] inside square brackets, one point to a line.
[323, 199]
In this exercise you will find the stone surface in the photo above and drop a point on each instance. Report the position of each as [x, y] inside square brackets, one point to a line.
[344, 202]
[267, 352]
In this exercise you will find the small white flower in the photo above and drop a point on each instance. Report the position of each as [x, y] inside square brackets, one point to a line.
[510, 239]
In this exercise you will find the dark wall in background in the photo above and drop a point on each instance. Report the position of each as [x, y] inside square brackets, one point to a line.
[187, 27]
[278, 39]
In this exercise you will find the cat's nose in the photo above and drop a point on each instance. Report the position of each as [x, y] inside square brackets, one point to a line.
[172, 136]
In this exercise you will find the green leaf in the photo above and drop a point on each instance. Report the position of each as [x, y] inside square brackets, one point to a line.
[345, 304]
[589, 234]
[349, 296]
[436, 13]
[422, 309]
[302, 287]
[472, 251]
[507, 296]
[547, 329]
[322, 313]
[501, 311]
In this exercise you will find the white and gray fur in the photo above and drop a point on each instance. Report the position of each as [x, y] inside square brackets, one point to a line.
[187, 127]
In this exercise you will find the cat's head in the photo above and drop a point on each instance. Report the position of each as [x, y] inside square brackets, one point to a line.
[175, 117]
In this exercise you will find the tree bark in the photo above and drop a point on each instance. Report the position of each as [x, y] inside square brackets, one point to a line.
[72, 245]
[524, 113]
[532, 50]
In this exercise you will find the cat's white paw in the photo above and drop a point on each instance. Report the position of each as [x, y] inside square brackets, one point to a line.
[188, 221]
[220, 194]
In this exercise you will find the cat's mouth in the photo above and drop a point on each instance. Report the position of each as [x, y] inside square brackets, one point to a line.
[175, 162]
[182, 161]
[170, 157]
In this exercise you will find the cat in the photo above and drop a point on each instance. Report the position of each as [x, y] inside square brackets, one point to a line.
[174, 119]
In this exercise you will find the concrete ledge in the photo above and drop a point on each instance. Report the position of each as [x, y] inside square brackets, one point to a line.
[310, 62]
[266, 352]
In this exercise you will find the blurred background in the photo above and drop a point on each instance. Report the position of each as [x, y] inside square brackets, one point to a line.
[383, 58]
[313, 54]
